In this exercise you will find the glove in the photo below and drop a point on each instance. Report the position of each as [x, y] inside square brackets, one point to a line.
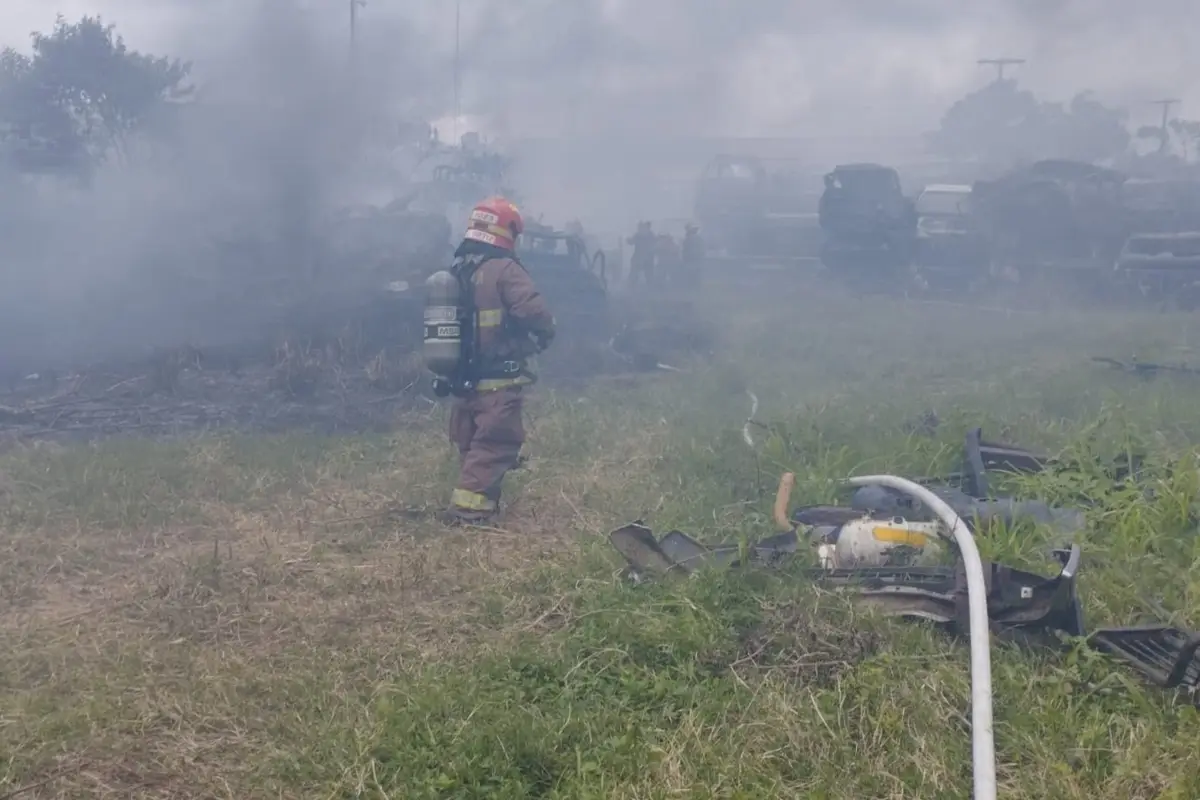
[543, 339]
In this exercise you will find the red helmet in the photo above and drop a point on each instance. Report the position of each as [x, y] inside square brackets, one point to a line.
[495, 221]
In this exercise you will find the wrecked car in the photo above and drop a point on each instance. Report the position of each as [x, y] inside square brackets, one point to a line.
[574, 281]
[1162, 267]
[867, 222]
[950, 250]
[751, 212]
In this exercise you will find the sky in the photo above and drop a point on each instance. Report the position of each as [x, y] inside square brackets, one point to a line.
[740, 68]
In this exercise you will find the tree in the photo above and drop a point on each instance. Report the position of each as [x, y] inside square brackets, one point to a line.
[38, 135]
[80, 95]
[1002, 124]
[1187, 133]
[987, 123]
[1177, 142]
[1091, 131]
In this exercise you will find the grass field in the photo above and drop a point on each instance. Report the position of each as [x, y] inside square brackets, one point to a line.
[278, 617]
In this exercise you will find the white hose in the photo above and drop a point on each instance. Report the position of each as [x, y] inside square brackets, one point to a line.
[983, 745]
[746, 437]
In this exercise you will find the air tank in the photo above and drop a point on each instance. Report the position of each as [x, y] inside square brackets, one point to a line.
[868, 542]
[442, 345]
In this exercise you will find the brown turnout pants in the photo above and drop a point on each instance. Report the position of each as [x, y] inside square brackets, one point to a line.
[488, 431]
[641, 267]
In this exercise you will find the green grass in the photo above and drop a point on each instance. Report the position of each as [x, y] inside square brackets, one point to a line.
[278, 617]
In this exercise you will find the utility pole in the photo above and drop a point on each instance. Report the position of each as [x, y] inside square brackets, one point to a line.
[457, 66]
[1163, 137]
[355, 5]
[1000, 64]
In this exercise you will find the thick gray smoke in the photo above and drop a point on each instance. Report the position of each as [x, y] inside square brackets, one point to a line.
[771, 67]
[275, 140]
[859, 80]
[199, 236]
[784, 68]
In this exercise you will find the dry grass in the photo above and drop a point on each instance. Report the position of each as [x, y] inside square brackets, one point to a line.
[150, 588]
[281, 617]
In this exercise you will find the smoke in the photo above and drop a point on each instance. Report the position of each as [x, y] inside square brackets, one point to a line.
[205, 234]
[618, 83]
[783, 68]
[771, 67]
[605, 94]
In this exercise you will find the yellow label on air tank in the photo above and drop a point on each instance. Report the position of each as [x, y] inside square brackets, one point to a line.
[899, 536]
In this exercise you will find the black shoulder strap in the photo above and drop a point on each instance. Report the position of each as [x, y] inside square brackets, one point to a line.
[513, 258]
[464, 268]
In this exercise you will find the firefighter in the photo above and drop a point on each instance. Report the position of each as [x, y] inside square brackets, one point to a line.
[667, 258]
[641, 261]
[511, 322]
[693, 250]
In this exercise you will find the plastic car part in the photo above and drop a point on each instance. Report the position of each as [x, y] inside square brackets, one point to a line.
[1019, 602]
[1016, 599]
[1167, 656]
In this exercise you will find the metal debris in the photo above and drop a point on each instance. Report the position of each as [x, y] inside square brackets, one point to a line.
[1022, 605]
[1145, 369]
[894, 579]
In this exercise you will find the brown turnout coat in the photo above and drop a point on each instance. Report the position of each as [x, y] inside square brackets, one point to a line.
[509, 308]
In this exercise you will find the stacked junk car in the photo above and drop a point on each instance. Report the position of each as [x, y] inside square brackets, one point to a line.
[753, 211]
[1048, 229]
[1053, 228]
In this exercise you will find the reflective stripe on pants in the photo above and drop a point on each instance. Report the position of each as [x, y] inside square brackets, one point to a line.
[471, 501]
[494, 384]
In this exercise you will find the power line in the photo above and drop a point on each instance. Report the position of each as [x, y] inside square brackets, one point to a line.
[457, 66]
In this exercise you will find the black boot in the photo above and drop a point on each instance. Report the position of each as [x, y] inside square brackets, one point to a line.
[463, 516]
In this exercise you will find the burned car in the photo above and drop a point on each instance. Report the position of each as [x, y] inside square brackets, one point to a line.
[1054, 221]
[750, 211]
[1162, 267]
[1155, 205]
[950, 249]
[574, 282]
[867, 222]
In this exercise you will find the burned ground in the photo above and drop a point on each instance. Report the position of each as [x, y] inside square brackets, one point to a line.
[332, 382]
[234, 614]
[180, 392]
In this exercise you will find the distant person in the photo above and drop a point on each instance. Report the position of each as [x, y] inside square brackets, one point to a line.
[641, 262]
[693, 251]
[513, 322]
[668, 259]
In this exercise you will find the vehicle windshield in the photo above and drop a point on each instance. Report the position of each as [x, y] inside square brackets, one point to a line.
[543, 244]
[733, 170]
[948, 203]
[874, 182]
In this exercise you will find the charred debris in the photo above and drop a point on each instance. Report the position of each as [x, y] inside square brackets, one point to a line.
[349, 367]
[883, 549]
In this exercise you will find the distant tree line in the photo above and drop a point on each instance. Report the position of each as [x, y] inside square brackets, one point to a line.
[1003, 124]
